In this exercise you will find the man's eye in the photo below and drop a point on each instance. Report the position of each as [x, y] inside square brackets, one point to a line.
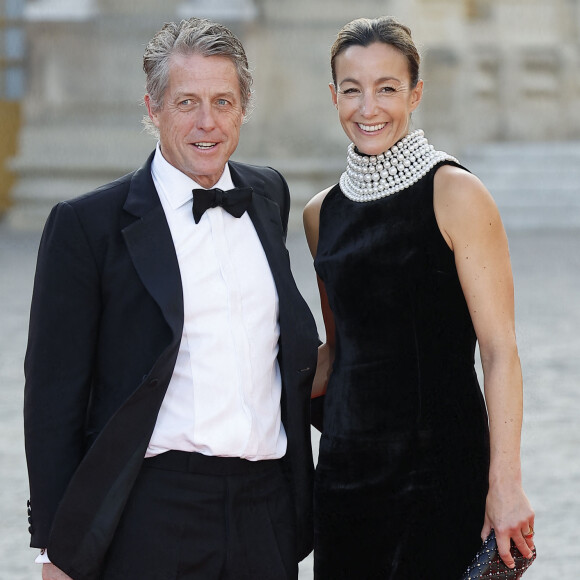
[222, 102]
[185, 103]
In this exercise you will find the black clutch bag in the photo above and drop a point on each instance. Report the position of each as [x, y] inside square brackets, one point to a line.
[488, 564]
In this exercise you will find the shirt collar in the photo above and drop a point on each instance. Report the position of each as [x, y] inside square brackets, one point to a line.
[176, 186]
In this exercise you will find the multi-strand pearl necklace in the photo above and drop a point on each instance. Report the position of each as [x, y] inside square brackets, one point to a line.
[368, 178]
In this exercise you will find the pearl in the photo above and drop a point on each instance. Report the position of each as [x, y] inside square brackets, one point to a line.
[374, 177]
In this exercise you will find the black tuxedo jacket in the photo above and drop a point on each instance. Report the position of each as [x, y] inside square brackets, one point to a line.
[105, 326]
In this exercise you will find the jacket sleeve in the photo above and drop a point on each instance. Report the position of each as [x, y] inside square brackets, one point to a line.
[63, 332]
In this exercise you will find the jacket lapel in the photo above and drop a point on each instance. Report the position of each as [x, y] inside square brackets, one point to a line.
[151, 247]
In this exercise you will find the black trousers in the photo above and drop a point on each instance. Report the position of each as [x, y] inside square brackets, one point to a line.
[193, 517]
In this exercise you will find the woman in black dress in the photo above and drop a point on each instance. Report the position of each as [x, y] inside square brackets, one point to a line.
[413, 268]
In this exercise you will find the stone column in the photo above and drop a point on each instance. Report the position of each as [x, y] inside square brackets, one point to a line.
[12, 59]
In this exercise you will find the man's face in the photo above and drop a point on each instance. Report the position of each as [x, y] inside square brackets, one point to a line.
[201, 116]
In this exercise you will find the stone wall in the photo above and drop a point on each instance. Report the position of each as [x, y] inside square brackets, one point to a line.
[494, 70]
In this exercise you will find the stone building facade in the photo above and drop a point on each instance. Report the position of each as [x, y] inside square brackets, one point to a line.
[494, 71]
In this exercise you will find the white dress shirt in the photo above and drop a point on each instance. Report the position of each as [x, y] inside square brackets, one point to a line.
[224, 396]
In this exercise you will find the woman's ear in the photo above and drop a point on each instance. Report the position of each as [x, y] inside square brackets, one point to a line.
[333, 93]
[416, 95]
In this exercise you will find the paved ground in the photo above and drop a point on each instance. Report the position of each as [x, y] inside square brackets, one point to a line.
[547, 275]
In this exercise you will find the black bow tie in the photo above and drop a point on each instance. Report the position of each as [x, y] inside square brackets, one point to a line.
[234, 201]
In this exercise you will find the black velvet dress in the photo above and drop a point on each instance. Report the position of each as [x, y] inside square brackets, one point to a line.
[402, 473]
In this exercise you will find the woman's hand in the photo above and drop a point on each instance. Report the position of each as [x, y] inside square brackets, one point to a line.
[323, 370]
[51, 572]
[510, 514]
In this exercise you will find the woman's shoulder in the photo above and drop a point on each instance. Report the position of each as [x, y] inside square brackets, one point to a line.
[456, 187]
[315, 203]
[312, 208]
[461, 201]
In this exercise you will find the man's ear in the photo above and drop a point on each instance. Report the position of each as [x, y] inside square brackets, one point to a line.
[151, 110]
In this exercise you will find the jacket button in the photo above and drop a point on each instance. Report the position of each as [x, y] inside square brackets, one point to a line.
[153, 383]
[31, 529]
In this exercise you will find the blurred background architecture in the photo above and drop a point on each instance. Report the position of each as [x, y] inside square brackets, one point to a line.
[502, 93]
[12, 51]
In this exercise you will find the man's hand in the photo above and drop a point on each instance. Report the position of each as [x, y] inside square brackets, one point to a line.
[51, 572]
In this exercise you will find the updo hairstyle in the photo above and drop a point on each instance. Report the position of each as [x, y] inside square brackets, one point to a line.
[366, 31]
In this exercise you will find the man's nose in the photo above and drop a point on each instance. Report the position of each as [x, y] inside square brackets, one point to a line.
[205, 118]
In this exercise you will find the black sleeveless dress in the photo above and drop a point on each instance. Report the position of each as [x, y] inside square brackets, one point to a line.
[403, 465]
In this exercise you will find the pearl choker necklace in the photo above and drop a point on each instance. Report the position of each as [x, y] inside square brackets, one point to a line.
[369, 178]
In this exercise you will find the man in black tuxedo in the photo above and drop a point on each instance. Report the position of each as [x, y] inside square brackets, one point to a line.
[170, 354]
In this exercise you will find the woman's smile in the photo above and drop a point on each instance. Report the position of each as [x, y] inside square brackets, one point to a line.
[371, 128]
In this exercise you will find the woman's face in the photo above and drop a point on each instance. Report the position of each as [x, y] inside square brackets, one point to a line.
[373, 96]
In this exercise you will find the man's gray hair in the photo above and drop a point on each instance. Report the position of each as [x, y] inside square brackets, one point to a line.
[192, 36]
